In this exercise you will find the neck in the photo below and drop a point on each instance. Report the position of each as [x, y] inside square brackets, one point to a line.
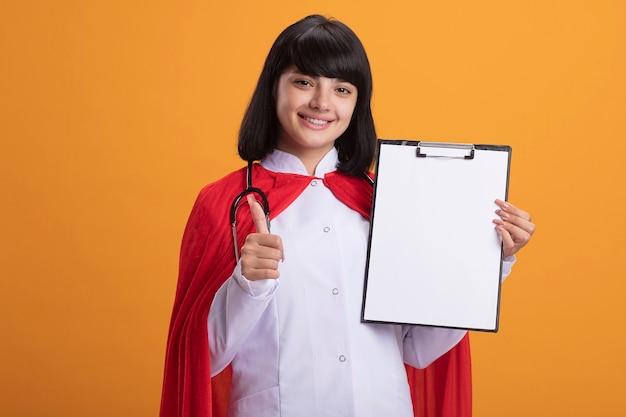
[309, 159]
[310, 164]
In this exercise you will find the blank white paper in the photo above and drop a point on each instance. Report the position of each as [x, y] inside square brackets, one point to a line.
[434, 255]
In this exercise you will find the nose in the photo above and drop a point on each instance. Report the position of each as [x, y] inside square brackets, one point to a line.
[320, 99]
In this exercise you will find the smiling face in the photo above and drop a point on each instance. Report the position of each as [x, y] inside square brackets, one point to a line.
[312, 112]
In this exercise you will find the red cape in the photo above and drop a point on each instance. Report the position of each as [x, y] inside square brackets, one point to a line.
[207, 261]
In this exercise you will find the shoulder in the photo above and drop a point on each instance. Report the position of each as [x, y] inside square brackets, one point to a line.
[215, 199]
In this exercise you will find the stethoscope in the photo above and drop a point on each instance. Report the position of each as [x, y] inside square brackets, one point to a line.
[264, 203]
[233, 209]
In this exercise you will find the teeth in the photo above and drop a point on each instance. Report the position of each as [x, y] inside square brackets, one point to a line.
[316, 121]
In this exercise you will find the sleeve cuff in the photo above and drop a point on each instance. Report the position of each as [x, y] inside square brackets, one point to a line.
[507, 265]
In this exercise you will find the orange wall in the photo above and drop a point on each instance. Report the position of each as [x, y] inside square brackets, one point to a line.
[113, 115]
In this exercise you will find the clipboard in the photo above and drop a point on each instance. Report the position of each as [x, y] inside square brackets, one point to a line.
[434, 257]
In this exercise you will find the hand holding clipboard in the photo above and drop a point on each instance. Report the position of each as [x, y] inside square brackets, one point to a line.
[515, 227]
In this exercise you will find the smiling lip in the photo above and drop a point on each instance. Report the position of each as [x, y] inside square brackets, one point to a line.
[315, 121]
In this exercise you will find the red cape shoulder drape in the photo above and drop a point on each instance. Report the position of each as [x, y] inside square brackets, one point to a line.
[207, 260]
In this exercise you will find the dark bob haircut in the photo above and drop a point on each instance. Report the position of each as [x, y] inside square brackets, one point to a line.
[317, 46]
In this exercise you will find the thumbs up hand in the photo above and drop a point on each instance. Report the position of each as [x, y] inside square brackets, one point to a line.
[262, 251]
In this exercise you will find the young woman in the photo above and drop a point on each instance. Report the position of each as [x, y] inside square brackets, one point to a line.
[284, 336]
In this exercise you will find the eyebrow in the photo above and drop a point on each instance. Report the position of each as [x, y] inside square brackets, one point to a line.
[339, 79]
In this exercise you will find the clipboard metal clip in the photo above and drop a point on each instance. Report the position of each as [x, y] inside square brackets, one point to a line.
[445, 150]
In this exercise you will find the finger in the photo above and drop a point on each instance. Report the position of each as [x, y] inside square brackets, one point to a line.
[260, 256]
[519, 235]
[261, 269]
[257, 274]
[263, 246]
[513, 237]
[262, 237]
[508, 244]
[523, 222]
[258, 216]
[509, 208]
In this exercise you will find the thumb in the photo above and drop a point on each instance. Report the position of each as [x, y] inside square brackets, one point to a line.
[258, 216]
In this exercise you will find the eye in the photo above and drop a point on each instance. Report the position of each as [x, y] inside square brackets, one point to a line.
[343, 90]
[303, 83]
